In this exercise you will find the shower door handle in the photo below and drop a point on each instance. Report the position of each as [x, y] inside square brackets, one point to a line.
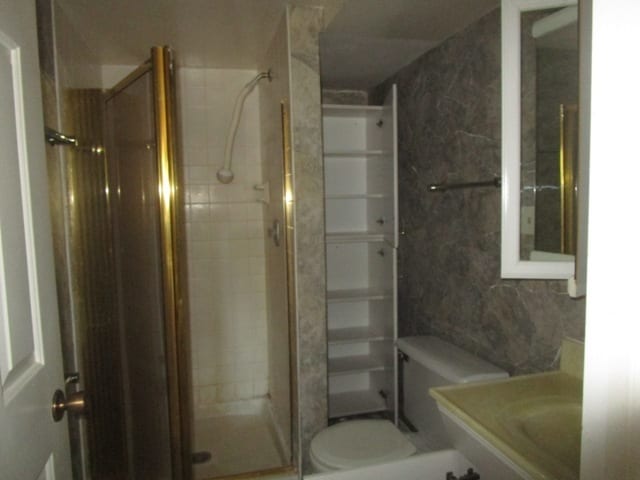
[275, 232]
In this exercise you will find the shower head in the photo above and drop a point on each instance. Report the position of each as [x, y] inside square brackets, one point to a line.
[225, 175]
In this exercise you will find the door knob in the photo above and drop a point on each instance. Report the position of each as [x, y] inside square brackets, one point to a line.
[76, 404]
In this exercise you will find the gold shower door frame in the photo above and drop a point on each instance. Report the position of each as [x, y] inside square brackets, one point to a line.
[175, 321]
[289, 245]
[568, 177]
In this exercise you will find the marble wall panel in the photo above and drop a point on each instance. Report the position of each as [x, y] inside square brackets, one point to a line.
[345, 97]
[449, 257]
[305, 24]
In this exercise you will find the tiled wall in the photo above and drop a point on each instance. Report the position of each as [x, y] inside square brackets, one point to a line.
[225, 240]
[449, 257]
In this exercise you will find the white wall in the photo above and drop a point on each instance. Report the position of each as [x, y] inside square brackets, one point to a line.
[225, 240]
[112, 74]
[611, 409]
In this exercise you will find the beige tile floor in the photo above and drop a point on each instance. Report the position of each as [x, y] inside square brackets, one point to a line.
[237, 443]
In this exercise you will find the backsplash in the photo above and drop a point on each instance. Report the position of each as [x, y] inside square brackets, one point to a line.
[449, 256]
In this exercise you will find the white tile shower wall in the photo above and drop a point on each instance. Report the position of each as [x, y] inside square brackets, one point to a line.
[225, 240]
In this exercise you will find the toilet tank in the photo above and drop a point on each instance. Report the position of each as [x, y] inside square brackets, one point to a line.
[432, 362]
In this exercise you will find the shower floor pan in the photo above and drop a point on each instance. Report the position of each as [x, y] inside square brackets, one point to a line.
[237, 444]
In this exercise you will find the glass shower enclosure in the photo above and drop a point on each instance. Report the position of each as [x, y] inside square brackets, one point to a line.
[145, 202]
[116, 208]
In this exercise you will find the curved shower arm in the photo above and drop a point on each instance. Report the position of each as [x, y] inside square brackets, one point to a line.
[225, 174]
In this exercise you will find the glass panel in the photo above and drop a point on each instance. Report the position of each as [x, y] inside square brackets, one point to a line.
[240, 302]
[134, 186]
[93, 293]
[84, 264]
[549, 132]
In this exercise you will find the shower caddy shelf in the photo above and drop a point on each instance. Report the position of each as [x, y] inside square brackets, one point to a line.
[361, 240]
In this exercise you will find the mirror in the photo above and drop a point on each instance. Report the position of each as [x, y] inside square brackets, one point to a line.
[539, 138]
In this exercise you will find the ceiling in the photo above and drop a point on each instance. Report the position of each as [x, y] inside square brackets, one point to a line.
[368, 40]
[364, 42]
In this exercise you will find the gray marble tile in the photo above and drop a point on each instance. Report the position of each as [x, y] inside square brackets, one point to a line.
[345, 97]
[305, 24]
[449, 257]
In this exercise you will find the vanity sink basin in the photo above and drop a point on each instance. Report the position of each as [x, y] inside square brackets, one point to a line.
[532, 421]
[551, 424]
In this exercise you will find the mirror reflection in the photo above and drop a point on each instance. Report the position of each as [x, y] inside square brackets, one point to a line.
[549, 97]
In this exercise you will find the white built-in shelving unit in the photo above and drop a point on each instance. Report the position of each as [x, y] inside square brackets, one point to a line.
[360, 159]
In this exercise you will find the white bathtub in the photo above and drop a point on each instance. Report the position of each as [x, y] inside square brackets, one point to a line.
[425, 466]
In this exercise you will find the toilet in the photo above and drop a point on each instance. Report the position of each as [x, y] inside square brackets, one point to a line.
[429, 362]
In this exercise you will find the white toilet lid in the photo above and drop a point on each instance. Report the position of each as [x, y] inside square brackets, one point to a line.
[356, 443]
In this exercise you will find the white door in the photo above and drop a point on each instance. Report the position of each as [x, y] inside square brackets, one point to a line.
[32, 446]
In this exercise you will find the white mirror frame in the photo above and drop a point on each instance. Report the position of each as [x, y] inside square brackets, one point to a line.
[512, 266]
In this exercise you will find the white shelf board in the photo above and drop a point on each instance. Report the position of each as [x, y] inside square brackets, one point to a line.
[354, 237]
[335, 109]
[355, 364]
[355, 334]
[355, 196]
[335, 296]
[359, 156]
[355, 153]
[358, 401]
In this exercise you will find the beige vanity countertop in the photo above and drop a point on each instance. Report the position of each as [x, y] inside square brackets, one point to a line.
[535, 420]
